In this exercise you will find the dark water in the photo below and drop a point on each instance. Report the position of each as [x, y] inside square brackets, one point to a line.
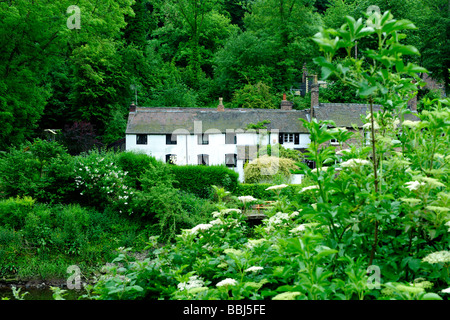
[40, 294]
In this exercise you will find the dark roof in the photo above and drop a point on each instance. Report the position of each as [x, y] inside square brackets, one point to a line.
[348, 114]
[167, 120]
[343, 114]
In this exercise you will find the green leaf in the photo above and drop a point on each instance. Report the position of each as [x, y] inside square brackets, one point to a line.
[405, 49]
[431, 296]
[324, 253]
[365, 90]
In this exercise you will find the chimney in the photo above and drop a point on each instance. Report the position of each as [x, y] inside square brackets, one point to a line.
[314, 97]
[132, 107]
[220, 107]
[286, 105]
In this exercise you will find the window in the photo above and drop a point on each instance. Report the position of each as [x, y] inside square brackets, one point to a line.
[171, 139]
[203, 139]
[289, 137]
[203, 159]
[141, 139]
[230, 138]
[171, 158]
[231, 160]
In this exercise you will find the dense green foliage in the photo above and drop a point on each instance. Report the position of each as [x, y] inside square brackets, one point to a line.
[376, 223]
[170, 53]
[199, 179]
[81, 208]
[380, 206]
[39, 241]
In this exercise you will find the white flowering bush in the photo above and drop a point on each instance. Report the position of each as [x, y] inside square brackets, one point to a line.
[100, 181]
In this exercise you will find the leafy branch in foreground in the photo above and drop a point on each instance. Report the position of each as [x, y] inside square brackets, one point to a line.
[379, 75]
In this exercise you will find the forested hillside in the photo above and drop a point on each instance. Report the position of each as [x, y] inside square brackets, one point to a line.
[79, 71]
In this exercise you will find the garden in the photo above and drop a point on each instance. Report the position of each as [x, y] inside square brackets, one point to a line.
[370, 222]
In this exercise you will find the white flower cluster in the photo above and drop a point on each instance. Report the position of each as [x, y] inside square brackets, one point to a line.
[227, 282]
[193, 282]
[414, 185]
[277, 187]
[202, 226]
[224, 212]
[252, 243]
[324, 168]
[278, 218]
[368, 125]
[253, 269]
[410, 124]
[448, 225]
[436, 257]
[246, 199]
[302, 227]
[309, 188]
[105, 178]
[353, 163]
[216, 221]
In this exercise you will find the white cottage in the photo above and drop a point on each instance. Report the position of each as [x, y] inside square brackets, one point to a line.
[209, 136]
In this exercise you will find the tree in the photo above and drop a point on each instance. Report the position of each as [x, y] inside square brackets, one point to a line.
[272, 49]
[80, 137]
[39, 53]
[194, 13]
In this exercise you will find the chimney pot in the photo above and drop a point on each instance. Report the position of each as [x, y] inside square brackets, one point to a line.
[220, 107]
[286, 105]
[132, 107]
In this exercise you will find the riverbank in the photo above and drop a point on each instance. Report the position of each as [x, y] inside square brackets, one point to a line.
[38, 289]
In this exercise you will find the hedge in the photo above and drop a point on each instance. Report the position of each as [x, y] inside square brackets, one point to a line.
[258, 190]
[199, 179]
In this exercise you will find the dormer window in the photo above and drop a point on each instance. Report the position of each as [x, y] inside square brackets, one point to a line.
[203, 138]
[230, 138]
[171, 139]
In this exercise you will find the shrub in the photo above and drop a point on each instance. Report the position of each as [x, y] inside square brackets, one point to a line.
[255, 96]
[14, 211]
[135, 164]
[282, 152]
[99, 180]
[199, 179]
[263, 169]
[41, 169]
[258, 190]
[166, 208]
